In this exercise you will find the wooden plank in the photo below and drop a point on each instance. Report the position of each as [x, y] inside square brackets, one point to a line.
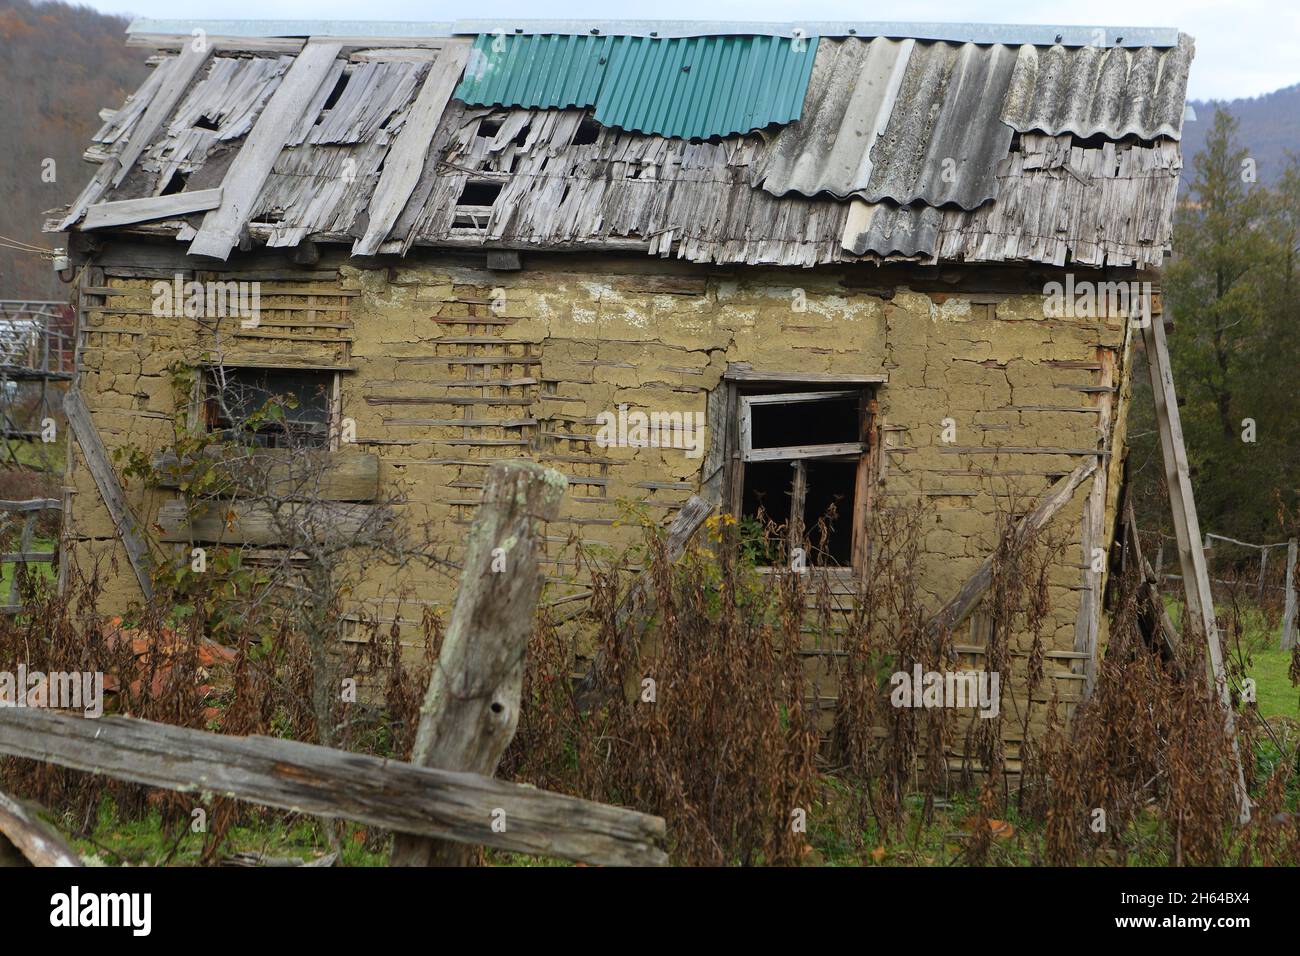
[38, 843]
[125, 211]
[32, 504]
[406, 157]
[257, 523]
[471, 707]
[248, 171]
[970, 594]
[343, 475]
[806, 451]
[788, 398]
[336, 784]
[597, 683]
[181, 72]
[809, 378]
[110, 489]
[1199, 609]
[1289, 615]
[1093, 534]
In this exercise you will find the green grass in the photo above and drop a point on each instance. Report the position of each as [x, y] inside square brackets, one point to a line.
[1273, 691]
[43, 570]
[115, 841]
[41, 456]
[1265, 661]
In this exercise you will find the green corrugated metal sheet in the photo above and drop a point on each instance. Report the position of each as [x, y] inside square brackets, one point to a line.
[692, 87]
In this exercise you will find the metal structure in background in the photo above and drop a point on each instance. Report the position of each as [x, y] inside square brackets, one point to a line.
[37, 347]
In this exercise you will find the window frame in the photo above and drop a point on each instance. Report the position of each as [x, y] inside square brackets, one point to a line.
[744, 390]
[333, 396]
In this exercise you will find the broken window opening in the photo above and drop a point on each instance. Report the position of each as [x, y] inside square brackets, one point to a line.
[488, 127]
[206, 122]
[801, 455]
[270, 408]
[479, 192]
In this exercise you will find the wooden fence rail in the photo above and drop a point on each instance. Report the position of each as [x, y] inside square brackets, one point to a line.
[462, 807]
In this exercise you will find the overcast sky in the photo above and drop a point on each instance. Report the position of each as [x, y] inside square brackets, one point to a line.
[1243, 47]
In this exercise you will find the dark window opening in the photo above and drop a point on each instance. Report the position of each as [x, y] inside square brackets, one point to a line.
[521, 139]
[587, 133]
[833, 421]
[479, 192]
[488, 128]
[206, 122]
[828, 511]
[269, 408]
[801, 452]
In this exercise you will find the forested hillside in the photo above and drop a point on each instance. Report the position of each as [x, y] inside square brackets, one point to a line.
[59, 66]
[1268, 127]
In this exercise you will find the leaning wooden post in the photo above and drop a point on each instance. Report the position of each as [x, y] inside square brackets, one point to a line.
[1288, 616]
[471, 708]
[1199, 609]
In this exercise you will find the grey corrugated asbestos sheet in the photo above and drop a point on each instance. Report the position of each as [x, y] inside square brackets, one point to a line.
[910, 122]
[1093, 91]
[897, 120]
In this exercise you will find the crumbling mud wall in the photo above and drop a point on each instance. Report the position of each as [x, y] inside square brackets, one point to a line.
[445, 365]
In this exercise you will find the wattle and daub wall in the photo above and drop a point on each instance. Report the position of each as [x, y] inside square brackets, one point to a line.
[569, 337]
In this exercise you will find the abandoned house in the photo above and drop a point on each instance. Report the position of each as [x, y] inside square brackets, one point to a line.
[780, 267]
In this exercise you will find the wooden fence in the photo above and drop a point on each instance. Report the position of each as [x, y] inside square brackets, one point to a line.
[441, 802]
[1288, 587]
[31, 509]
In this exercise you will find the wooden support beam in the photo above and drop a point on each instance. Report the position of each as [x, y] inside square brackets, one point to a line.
[123, 212]
[110, 489]
[405, 160]
[471, 708]
[223, 226]
[1199, 609]
[36, 842]
[597, 684]
[336, 784]
[978, 584]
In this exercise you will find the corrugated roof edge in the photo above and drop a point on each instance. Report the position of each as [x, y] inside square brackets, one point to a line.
[1007, 33]
[1035, 34]
[257, 29]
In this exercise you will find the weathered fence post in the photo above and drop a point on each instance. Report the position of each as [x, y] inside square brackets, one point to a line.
[1288, 616]
[471, 708]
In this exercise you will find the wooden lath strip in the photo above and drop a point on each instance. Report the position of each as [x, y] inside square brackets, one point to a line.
[252, 164]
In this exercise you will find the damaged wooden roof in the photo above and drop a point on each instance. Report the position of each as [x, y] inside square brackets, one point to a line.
[904, 148]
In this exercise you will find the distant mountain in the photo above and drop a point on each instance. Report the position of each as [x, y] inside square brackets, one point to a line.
[1270, 126]
[59, 66]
